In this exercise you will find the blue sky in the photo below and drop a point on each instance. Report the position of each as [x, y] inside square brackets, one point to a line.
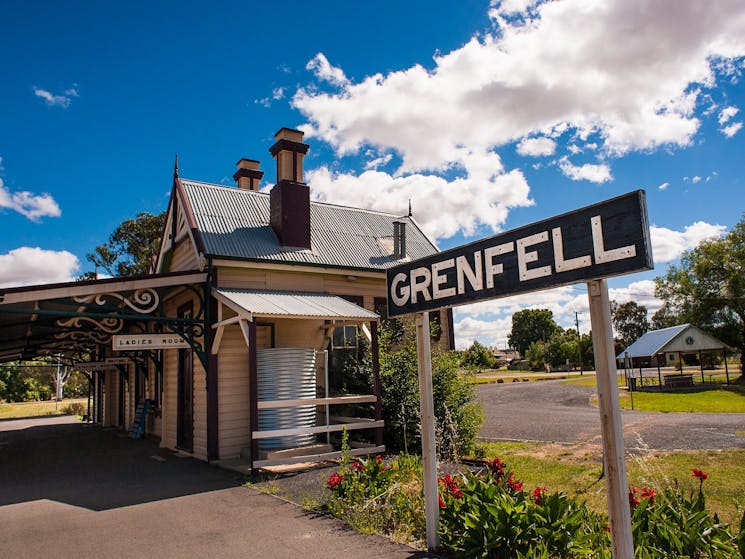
[487, 116]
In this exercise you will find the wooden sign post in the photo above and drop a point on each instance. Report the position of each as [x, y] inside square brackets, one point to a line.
[616, 486]
[427, 411]
[587, 245]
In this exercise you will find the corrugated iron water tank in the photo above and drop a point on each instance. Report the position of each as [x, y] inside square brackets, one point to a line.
[286, 373]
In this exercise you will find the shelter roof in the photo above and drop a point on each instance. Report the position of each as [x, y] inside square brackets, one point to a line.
[683, 338]
[234, 223]
[78, 316]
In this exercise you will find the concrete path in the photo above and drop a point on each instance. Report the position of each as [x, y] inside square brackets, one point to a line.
[553, 411]
[72, 490]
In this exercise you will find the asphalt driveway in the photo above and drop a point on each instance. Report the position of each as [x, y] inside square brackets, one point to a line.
[77, 491]
[551, 411]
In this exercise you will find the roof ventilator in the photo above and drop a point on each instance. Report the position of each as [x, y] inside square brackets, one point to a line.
[399, 239]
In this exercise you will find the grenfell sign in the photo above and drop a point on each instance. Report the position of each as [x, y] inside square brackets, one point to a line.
[606, 239]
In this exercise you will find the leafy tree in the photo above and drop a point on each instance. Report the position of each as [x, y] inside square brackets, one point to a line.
[531, 325]
[664, 318]
[630, 321]
[560, 350]
[708, 287]
[130, 248]
[478, 357]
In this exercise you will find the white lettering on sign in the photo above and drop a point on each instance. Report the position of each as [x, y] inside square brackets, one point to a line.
[602, 255]
[524, 258]
[432, 282]
[400, 296]
[562, 265]
[463, 270]
[493, 269]
[438, 280]
[133, 342]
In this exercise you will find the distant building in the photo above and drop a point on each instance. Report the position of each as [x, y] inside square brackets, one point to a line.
[505, 356]
[667, 346]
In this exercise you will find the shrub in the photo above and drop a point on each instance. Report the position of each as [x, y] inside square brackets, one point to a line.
[74, 408]
[478, 357]
[375, 497]
[489, 514]
[457, 411]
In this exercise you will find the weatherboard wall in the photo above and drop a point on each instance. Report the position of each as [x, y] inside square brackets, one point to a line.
[170, 391]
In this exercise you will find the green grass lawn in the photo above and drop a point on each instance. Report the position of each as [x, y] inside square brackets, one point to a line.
[576, 470]
[720, 399]
[19, 410]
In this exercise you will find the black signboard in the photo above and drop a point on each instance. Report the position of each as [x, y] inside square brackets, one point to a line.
[606, 239]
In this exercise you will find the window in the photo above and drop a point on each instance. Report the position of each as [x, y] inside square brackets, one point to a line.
[344, 337]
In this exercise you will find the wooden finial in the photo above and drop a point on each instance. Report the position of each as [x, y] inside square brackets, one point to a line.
[175, 168]
[409, 207]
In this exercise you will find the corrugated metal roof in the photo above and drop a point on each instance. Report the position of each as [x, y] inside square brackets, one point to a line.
[653, 342]
[234, 223]
[292, 304]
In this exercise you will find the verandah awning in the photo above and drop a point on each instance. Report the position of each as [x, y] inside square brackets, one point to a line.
[292, 304]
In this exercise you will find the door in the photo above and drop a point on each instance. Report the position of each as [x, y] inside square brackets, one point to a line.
[185, 393]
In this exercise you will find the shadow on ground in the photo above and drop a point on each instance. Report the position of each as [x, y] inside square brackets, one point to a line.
[98, 469]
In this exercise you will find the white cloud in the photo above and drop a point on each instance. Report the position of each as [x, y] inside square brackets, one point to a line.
[467, 202]
[278, 93]
[33, 206]
[323, 70]
[536, 147]
[732, 129]
[696, 179]
[727, 113]
[560, 64]
[487, 332]
[588, 171]
[264, 102]
[379, 161]
[510, 7]
[641, 292]
[33, 266]
[664, 186]
[53, 100]
[667, 245]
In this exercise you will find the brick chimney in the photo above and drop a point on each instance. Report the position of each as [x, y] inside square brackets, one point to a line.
[248, 176]
[289, 200]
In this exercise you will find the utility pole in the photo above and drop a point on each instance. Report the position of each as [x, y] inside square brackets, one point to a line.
[579, 343]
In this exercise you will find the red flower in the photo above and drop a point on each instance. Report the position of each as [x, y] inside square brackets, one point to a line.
[539, 494]
[334, 480]
[513, 484]
[441, 501]
[649, 493]
[378, 458]
[359, 466]
[634, 499]
[451, 486]
[496, 467]
[700, 474]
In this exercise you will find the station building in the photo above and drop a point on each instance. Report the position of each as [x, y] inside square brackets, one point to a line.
[264, 296]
